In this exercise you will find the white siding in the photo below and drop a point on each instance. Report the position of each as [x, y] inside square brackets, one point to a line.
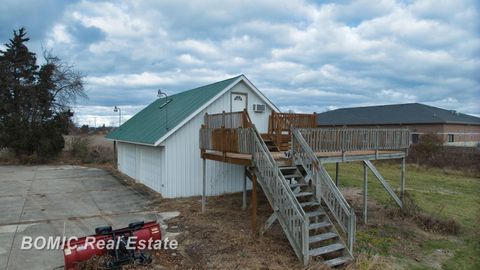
[259, 119]
[183, 153]
[146, 164]
[175, 168]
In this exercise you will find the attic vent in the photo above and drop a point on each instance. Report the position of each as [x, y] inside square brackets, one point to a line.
[258, 107]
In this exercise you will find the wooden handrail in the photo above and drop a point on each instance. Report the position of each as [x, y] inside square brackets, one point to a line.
[281, 124]
[228, 120]
[355, 139]
[325, 190]
[226, 132]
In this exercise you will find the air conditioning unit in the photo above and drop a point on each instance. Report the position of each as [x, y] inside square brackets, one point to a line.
[258, 107]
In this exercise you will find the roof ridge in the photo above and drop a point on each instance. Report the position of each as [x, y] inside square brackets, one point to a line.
[381, 105]
[206, 85]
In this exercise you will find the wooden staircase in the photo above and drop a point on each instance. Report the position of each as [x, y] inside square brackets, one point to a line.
[272, 147]
[305, 202]
[323, 238]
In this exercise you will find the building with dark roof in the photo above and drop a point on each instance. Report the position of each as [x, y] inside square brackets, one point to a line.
[454, 127]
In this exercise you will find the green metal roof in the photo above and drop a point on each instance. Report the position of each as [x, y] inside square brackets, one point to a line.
[150, 124]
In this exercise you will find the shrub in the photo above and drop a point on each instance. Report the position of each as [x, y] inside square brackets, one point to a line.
[80, 147]
[84, 151]
[100, 154]
[428, 147]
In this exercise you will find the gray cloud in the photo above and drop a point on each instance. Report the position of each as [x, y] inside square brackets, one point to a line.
[306, 56]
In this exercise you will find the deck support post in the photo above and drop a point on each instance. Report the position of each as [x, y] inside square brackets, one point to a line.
[115, 155]
[365, 192]
[402, 180]
[204, 184]
[336, 173]
[244, 195]
[254, 203]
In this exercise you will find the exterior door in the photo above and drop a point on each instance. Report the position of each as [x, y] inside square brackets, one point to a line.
[238, 102]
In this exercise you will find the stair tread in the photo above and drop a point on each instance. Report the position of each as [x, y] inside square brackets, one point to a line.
[316, 213]
[292, 175]
[303, 194]
[287, 168]
[326, 249]
[322, 237]
[338, 261]
[309, 204]
[319, 225]
[298, 185]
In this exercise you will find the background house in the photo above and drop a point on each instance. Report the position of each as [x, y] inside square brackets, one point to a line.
[455, 128]
[159, 146]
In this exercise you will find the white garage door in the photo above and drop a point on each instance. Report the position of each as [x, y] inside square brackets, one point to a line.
[146, 164]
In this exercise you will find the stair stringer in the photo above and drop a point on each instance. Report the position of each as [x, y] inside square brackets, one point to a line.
[280, 218]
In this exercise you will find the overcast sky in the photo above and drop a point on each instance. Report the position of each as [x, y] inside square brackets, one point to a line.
[304, 55]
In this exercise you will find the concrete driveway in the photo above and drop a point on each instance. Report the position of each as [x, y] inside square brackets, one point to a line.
[43, 200]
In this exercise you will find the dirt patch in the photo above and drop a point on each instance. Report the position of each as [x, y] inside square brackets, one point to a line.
[222, 237]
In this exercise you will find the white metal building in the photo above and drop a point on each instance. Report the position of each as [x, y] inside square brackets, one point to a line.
[159, 146]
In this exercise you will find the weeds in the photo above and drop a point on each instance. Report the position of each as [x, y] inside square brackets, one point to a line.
[366, 261]
[432, 223]
[80, 147]
[83, 150]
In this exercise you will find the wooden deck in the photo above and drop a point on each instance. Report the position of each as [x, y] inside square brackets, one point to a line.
[324, 157]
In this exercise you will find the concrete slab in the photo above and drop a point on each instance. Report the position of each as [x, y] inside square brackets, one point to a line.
[6, 238]
[75, 185]
[14, 188]
[46, 200]
[39, 207]
[10, 208]
[12, 173]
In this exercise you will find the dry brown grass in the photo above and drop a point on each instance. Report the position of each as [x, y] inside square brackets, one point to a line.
[222, 237]
[365, 261]
[432, 223]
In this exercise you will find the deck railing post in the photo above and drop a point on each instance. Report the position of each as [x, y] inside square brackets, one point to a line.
[223, 119]
[305, 246]
[318, 184]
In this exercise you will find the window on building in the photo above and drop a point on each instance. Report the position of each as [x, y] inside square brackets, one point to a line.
[415, 137]
[451, 138]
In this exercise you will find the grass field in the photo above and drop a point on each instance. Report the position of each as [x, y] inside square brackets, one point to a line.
[441, 194]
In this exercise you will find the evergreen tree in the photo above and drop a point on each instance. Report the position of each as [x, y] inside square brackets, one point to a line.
[34, 101]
